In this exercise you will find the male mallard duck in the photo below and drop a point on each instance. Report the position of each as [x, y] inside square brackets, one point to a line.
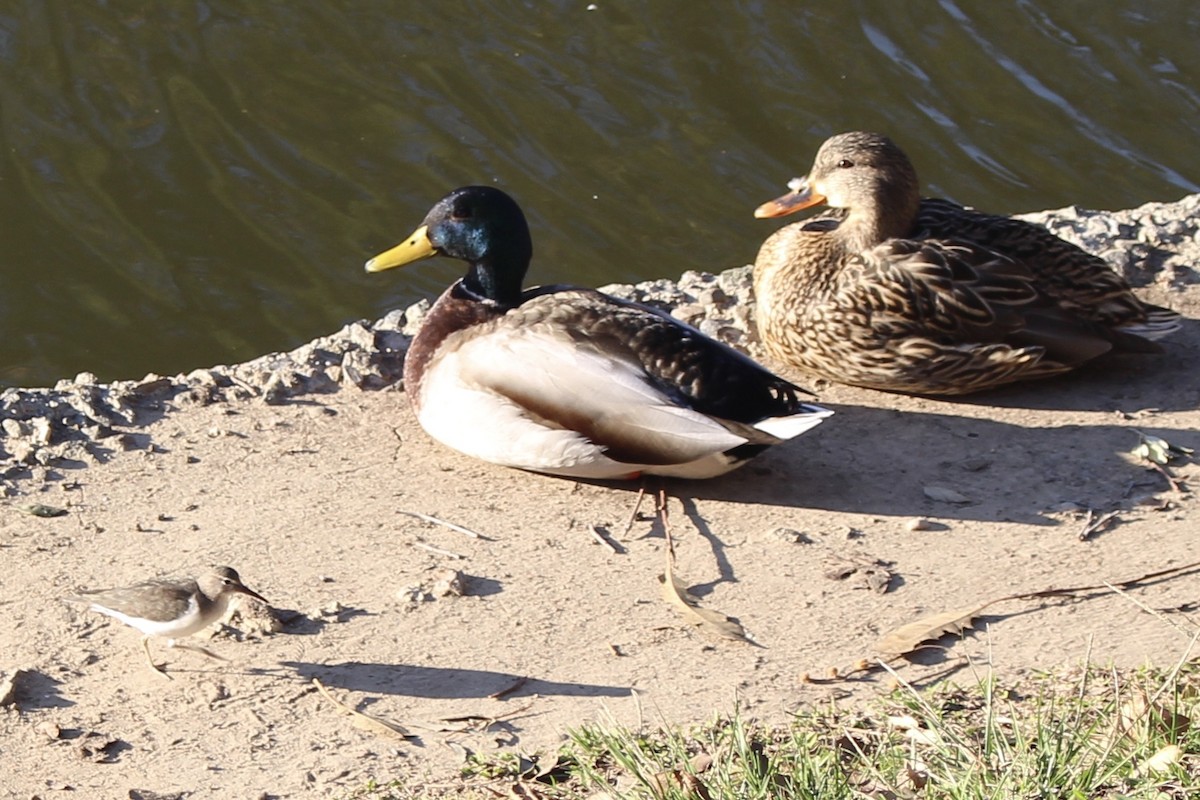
[895, 292]
[570, 381]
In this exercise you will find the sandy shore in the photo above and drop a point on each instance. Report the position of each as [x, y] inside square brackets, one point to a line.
[304, 471]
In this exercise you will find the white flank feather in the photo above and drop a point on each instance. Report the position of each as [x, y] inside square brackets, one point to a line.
[189, 623]
[790, 427]
[468, 408]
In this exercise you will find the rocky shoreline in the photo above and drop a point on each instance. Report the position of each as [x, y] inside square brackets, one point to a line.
[82, 421]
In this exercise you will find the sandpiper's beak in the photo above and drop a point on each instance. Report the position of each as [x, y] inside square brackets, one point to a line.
[242, 589]
[803, 195]
[414, 248]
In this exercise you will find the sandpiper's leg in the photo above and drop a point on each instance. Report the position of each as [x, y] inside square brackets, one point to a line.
[150, 659]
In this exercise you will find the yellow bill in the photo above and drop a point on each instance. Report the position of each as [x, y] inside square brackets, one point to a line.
[414, 248]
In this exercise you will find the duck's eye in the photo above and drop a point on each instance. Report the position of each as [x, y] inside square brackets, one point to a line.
[845, 163]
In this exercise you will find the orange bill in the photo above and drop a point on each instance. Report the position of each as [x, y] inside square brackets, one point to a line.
[802, 196]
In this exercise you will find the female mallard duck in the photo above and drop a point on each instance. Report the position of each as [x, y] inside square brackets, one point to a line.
[895, 292]
[569, 381]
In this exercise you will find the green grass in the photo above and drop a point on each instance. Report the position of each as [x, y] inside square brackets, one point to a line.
[1087, 736]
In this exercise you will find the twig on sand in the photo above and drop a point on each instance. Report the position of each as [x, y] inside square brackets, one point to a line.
[633, 514]
[1094, 524]
[601, 536]
[442, 522]
[439, 551]
[478, 722]
[500, 695]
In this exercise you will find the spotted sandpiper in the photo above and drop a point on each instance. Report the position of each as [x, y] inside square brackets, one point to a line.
[170, 608]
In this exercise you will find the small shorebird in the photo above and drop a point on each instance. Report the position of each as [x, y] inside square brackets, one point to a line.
[170, 608]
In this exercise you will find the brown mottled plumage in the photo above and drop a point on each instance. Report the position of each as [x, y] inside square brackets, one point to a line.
[925, 296]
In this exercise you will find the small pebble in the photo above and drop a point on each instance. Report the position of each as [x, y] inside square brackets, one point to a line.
[48, 729]
[329, 610]
[450, 583]
[791, 536]
[413, 593]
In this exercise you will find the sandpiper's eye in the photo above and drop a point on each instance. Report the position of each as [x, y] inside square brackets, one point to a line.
[845, 163]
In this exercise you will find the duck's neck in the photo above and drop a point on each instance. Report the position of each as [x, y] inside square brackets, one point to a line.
[497, 271]
[891, 214]
[485, 282]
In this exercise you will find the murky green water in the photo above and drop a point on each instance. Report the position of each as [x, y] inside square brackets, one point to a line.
[185, 184]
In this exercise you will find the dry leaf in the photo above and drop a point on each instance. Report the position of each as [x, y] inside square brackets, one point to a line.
[374, 724]
[1139, 719]
[909, 637]
[917, 774]
[707, 619]
[923, 736]
[367, 722]
[840, 570]
[669, 781]
[700, 762]
[904, 723]
[1162, 760]
[98, 748]
[873, 572]
[905, 639]
[525, 791]
[943, 494]
[675, 592]
[463, 752]
[879, 580]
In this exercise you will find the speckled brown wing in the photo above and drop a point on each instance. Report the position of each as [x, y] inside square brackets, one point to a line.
[1080, 282]
[959, 294]
[919, 316]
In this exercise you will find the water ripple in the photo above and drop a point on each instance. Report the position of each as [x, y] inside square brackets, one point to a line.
[200, 183]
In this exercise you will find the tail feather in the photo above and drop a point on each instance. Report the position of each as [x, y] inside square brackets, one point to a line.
[1159, 323]
[791, 426]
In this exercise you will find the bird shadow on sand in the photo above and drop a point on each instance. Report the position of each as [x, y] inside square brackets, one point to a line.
[886, 462]
[441, 682]
[35, 690]
[1122, 383]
